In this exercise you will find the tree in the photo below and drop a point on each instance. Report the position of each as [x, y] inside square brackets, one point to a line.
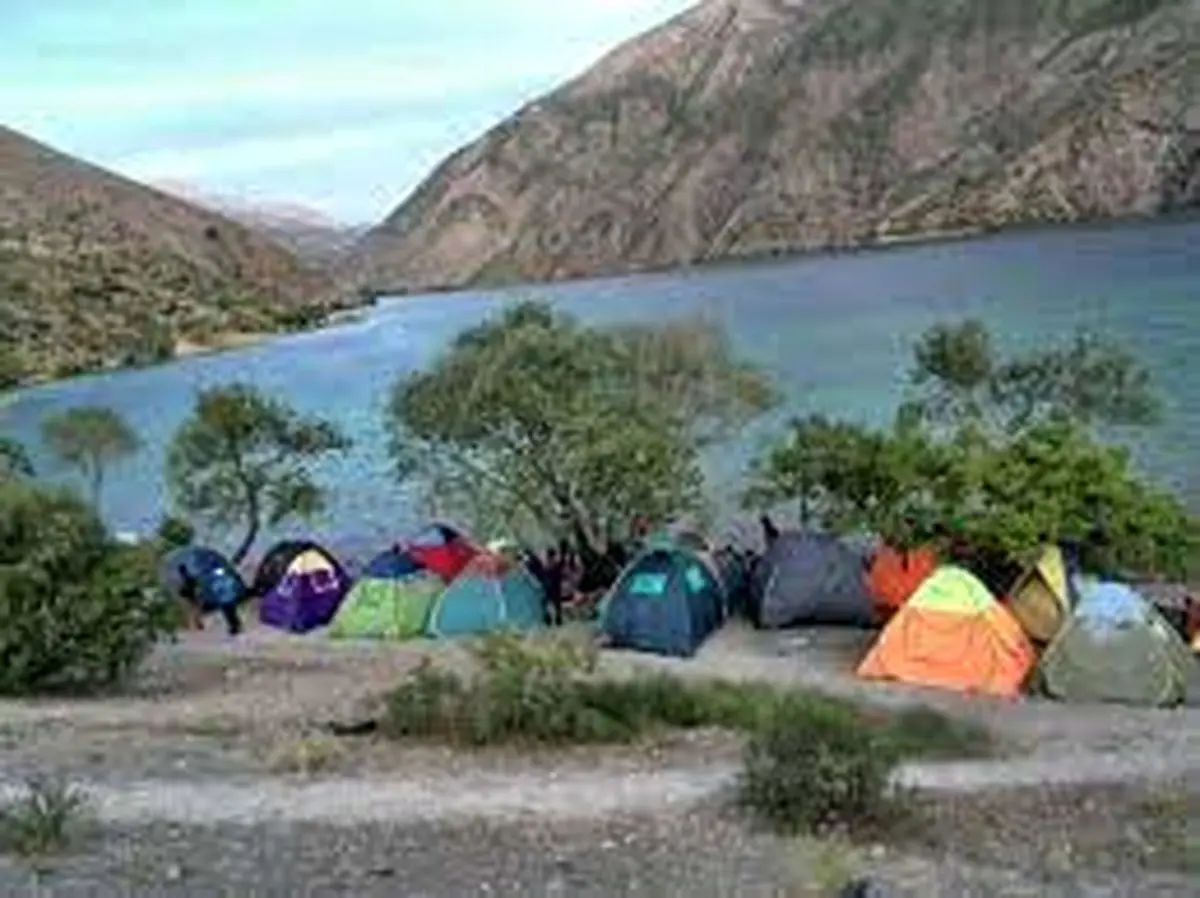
[536, 423]
[77, 611]
[89, 439]
[959, 378]
[996, 455]
[246, 458]
[14, 460]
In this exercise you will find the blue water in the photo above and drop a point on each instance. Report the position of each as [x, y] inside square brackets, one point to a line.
[836, 330]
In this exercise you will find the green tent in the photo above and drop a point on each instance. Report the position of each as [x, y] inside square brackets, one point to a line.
[1116, 647]
[387, 608]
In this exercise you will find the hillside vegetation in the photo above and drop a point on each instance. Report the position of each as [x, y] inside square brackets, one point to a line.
[97, 271]
[750, 127]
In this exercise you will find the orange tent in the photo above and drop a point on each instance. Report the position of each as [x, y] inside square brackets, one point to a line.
[953, 634]
[894, 576]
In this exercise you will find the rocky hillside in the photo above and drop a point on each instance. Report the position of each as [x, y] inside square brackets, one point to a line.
[97, 271]
[747, 127]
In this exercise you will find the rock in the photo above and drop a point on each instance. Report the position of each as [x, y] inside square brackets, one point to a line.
[867, 887]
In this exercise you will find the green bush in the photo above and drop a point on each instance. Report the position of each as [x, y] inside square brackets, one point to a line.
[174, 532]
[78, 612]
[812, 762]
[816, 765]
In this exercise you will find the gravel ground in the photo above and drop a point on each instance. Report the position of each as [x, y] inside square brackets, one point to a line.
[195, 741]
[705, 852]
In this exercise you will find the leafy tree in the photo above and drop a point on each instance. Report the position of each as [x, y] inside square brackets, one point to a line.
[12, 367]
[89, 439]
[173, 532]
[959, 378]
[534, 422]
[78, 612]
[246, 458]
[14, 459]
[992, 457]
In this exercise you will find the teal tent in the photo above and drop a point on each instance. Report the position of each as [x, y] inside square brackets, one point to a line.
[667, 601]
[491, 594]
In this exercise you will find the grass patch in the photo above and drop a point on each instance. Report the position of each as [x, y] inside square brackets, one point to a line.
[812, 762]
[548, 692]
[307, 756]
[46, 820]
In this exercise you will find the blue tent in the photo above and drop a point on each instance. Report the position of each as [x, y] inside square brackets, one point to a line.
[667, 601]
[490, 594]
[391, 565]
[218, 582]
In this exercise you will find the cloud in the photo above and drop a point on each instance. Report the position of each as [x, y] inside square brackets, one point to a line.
[331, 95]
[400, 82]
[271, 153]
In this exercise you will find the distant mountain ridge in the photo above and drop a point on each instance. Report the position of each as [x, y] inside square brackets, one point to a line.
[317, 238]
[750, 127]
[98, 271]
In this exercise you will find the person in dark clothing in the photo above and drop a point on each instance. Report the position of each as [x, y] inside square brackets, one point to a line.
[189, 591]
[552, 583]
[233, 620]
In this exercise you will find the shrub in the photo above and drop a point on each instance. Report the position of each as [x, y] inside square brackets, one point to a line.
[174, 532]
[816, 765]
[812, 762]
[77, 611]
[44, 820]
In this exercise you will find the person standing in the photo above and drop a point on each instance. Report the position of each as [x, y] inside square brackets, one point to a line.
[189, 591]
[553, 585]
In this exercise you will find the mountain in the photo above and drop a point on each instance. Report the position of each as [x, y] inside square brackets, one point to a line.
[98, 271]
[769, 126]
[316, 238]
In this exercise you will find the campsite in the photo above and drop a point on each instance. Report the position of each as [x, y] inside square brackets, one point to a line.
[957, 653]
[235, 712]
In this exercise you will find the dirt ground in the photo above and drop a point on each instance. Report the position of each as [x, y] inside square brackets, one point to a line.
[1116, 808]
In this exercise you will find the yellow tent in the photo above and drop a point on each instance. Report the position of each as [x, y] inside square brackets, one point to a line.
[1041, 597]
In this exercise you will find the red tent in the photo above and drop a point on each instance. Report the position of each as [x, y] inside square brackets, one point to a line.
[441, 549]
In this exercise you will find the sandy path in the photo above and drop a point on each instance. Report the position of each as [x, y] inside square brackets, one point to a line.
[564, 794]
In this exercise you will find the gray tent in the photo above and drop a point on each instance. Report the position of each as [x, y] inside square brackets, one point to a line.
[810, 578]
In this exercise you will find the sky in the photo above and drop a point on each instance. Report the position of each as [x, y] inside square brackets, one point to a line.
[340, 105]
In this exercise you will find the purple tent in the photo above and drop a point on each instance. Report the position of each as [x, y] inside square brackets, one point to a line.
[307, 595]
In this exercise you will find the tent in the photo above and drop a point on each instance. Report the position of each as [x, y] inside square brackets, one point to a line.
[391, 600]
[442, 549]
[809, 578]
[1116, 647]
[378, 608]
[895, 575]
[218, 582]
[308, 593]
[492, 593]
[953, 634]
[1043, 596]
[274, 563]
[668, 600]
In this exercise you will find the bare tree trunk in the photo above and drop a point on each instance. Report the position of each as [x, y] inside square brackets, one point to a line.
[253, 523]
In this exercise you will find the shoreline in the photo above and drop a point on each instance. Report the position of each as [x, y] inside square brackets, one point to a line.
[878, 244]
[223, 343]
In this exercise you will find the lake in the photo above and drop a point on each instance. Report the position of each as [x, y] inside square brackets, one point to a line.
[835, 329]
